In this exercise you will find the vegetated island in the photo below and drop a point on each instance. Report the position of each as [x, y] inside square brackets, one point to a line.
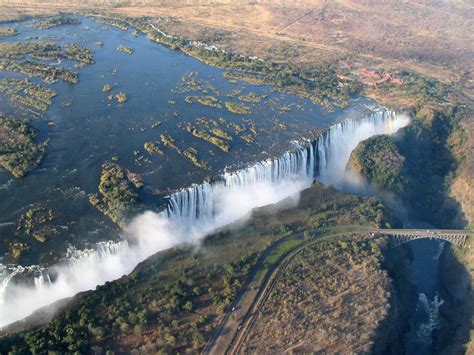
[189, 153]
[19, 151]
[380, 162]
[124, 49]
[118, 196]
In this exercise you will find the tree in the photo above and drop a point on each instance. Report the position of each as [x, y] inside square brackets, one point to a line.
[188, 306]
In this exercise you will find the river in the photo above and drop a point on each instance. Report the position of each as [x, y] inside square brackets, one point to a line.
[86, 129]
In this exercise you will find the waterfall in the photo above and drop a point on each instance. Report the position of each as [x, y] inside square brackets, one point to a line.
[324, 159]
[335, 146]
[198, 202]
[194, 212]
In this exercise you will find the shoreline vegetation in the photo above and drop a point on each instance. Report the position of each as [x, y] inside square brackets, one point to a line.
[320, 85]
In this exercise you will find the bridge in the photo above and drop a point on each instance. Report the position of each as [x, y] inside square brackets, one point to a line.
[398, 237]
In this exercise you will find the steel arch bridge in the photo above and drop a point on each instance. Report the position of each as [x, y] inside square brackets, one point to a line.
[398, 237]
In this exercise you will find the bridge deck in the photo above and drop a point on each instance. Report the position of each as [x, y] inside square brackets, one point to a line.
[401, 236]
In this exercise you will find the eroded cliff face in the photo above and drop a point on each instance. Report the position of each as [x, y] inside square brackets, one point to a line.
[462, 185]
[457, 313]
[390, 334]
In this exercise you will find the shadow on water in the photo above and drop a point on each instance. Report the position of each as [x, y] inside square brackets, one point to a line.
[424, 317]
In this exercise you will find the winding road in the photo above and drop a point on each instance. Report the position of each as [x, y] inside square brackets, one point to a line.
[242, 313]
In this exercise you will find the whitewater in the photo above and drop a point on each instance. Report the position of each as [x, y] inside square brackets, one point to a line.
[194, 212]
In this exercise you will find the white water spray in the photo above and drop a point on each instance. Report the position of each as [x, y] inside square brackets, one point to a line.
[431, 321]
[194, 212]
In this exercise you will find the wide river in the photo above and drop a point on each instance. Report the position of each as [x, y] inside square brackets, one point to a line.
[86, 129]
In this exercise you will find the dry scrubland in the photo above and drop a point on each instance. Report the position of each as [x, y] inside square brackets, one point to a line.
[431, 37]
[331, 298]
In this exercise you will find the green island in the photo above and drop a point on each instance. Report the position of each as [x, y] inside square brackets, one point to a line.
[121, 97]
[33, 69]
[206, 122]
[235, 127]
[46, 51]
[168, 141]
[238, 108]
[210, 101]
[124, 49]
[221, 134]
[189, 153]
[190, 82]
[13, 58]
[379, 160]
[27, 93]
[19, 151]
[204, 135]
[251, 97]
[18, 249]
[153, 148]
[34, 222]
[248, 138]
[117, 198]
